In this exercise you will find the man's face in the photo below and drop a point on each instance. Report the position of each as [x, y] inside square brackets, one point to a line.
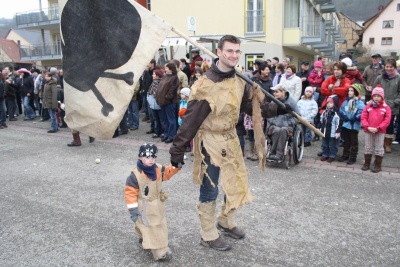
[265, 72]
[284, 62]
[305, 67]
[150, 66]
[274, 61]
[279, 94]
[7, 70]
[229, 55]
[376, 60]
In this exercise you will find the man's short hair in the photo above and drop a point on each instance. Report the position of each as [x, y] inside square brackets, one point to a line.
[227, 38]
[176, 62]
[183, 60]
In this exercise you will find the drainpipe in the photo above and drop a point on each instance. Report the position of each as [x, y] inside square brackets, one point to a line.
[40, 12]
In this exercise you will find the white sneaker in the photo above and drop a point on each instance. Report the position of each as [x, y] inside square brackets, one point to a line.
[395, 142]
[184, 157]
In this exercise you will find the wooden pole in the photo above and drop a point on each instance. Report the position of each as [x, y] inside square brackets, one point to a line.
[249, 81]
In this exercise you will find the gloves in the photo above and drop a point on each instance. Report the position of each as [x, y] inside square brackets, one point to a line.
[288, 108]
[134, 214]
[337, 135]
[345, 118]
[177, 164]
[353, 119]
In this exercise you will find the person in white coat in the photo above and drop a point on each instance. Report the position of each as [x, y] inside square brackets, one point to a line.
[291, 82]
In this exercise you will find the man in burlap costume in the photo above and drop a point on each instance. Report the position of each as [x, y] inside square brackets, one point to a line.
[213, 110]
[145, 201]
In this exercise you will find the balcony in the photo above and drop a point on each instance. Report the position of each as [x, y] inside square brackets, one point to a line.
[48, 19]
[40, 52]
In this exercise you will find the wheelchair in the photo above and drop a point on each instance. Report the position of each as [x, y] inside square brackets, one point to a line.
[294, 148]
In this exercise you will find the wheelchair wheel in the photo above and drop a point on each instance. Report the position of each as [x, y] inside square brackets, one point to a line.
[298, 145]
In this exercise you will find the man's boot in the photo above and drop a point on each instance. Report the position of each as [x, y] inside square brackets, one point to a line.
[251, 152]
[367, 162]
[209, 234]
[226, 223]
[388, 145]
[76, 141]
[161, 254]
[377, 164]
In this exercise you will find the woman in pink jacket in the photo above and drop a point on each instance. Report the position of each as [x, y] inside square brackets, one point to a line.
[375, 118]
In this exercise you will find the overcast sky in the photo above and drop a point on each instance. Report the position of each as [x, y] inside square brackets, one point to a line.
[9, 8]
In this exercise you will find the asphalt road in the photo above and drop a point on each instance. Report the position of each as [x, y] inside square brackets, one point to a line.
[59, 208]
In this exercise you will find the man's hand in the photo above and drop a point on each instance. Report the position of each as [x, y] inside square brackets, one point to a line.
[337, 135]
[134, 214]
[288, 108]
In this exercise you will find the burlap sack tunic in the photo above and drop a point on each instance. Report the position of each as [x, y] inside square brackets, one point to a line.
[218, 136]
[155, 234]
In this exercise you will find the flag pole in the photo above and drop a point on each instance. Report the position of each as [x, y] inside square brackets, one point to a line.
[249, 81]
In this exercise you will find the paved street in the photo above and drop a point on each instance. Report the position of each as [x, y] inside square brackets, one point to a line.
[59, 208]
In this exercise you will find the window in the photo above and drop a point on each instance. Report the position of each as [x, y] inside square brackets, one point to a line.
[398, 7]
[251, 58]
[255, 17]
[149, 4]
[386, 40]
[388, 24]
[291, 13]
[371, 41]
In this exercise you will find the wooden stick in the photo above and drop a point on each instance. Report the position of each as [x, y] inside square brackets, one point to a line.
[249, 81]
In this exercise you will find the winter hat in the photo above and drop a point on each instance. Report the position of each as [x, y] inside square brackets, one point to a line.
[347, 61]
[158, 73]
[148, 150]
[309, 88]
[330, 99]
[185, 91]
[317, 64]
[378, 91]
[278, 86]
[357, 89]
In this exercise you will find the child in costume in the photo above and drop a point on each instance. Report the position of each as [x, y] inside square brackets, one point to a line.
[145, 201]
[375, 118]
[185, 93]
[350, 113]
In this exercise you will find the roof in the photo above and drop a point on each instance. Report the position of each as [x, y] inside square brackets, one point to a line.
[347, 17]
[374, 17]
[11, 49]
[32, 37]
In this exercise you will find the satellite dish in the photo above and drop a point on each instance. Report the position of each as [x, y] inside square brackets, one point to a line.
[380, 8]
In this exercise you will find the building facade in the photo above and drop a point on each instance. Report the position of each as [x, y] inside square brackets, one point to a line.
[381, 32]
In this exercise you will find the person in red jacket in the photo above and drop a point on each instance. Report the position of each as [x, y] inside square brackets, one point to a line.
[375, 118]
[336, 86]
[352, 73]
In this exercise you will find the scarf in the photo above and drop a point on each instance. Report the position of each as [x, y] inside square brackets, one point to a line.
[288, 76]
[374, 104]
[388, 76]
[150, 171]
[328, 113]
[351, 106]
[275, 81]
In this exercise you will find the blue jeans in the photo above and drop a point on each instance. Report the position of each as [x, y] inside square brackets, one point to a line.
[54, 126]
[3, 115]
[170, 120]
[250, 134]
[133, 114]
[307, 133]
[330, 146]
[158, 128]
[29, 112]
[207, 191]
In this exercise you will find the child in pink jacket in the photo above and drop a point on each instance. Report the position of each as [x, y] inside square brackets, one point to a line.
[316, 77]
[375, 118]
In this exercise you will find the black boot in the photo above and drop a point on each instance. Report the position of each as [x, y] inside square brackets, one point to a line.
[218, 244]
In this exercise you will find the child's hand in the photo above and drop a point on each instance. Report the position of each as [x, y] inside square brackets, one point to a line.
[372, 130]
[134, 214]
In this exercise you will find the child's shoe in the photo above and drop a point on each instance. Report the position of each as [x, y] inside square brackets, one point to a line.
[343, 159]
[330, 160]
[351, 161]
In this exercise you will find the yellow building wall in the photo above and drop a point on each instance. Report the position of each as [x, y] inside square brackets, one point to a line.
[16, 37]
[4, 57]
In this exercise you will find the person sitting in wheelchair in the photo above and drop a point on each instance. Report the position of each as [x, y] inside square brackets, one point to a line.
[280, 126]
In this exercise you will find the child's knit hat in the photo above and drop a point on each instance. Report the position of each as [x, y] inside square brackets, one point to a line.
[347, 61]
[330, 99]
[357, 88]
[309, 88]
[378, 91]
[148, 150]
[185, 91]
[318, 64]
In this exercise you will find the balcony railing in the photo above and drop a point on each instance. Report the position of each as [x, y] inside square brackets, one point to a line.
[37, 16]
[40, 52]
